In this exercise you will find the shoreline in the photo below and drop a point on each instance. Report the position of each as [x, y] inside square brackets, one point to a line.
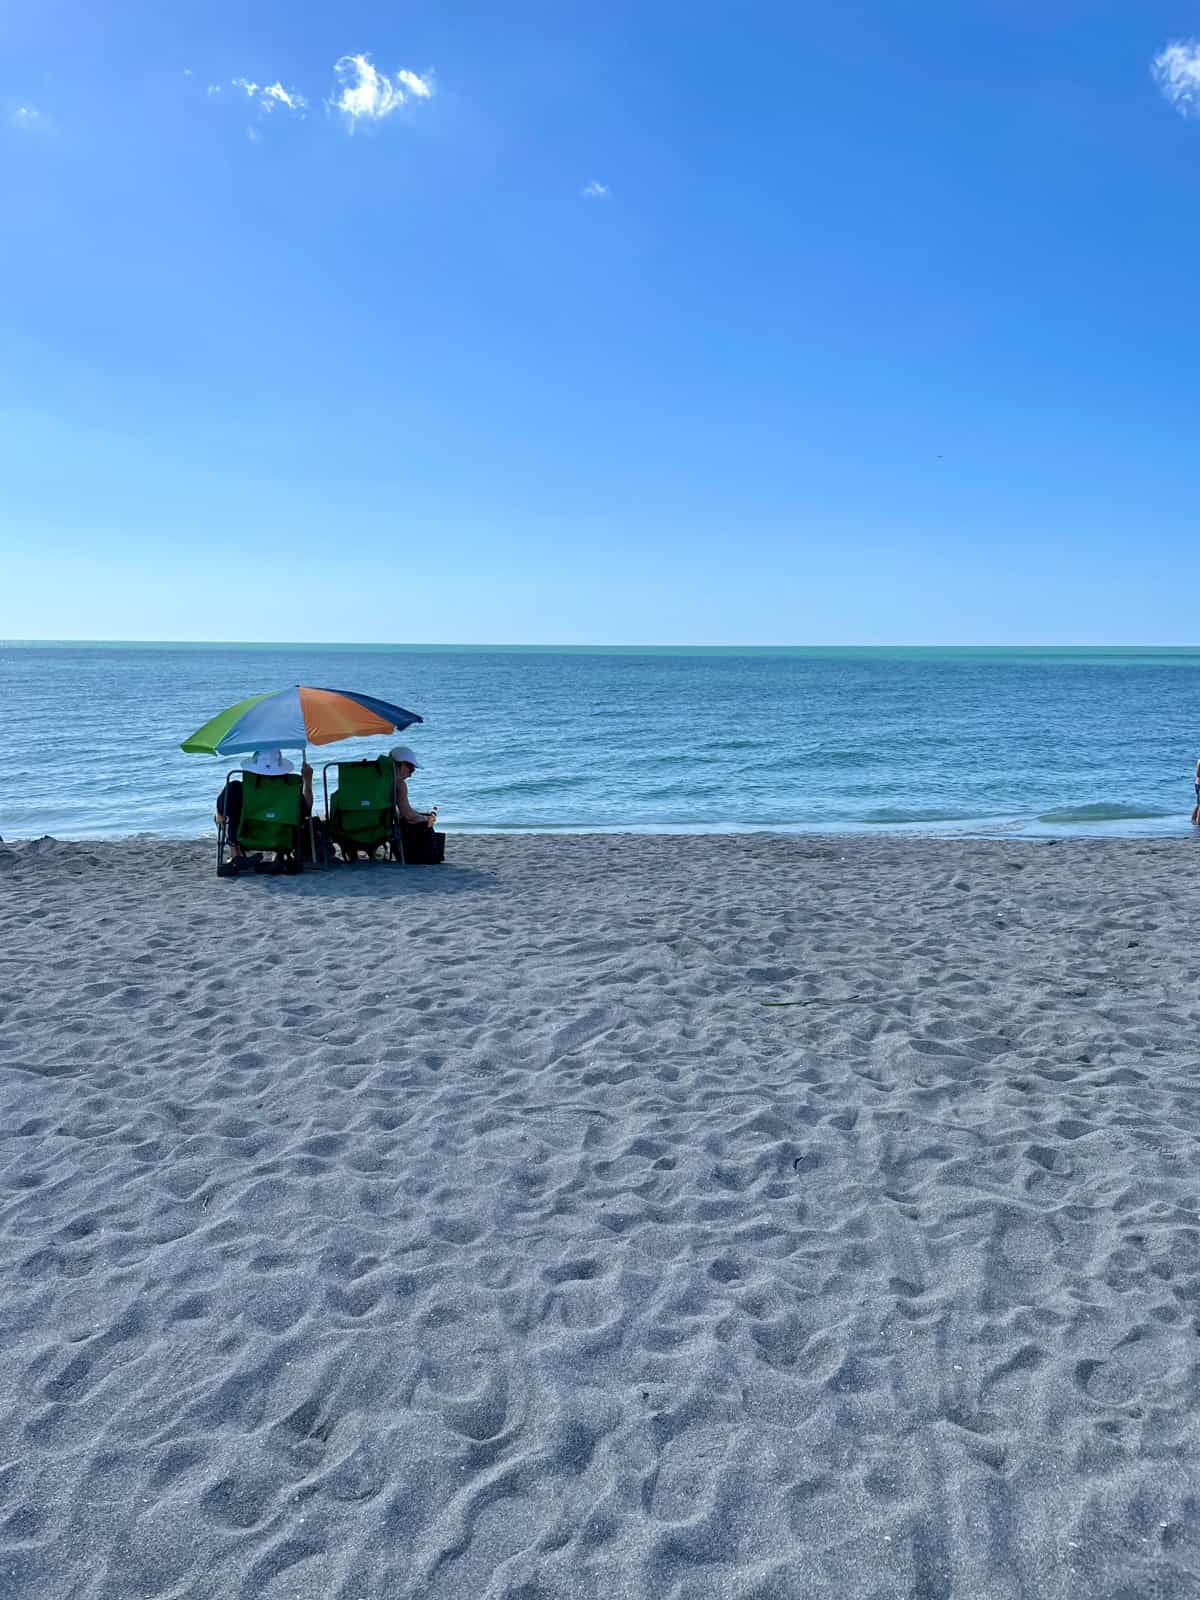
[1166, 826]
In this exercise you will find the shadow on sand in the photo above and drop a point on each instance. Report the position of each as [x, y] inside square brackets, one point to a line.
[377, 880]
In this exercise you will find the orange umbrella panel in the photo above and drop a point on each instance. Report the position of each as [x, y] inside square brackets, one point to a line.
[330, 715]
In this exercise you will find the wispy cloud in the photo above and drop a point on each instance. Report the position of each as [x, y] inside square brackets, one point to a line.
[415, 84]
[1177, 73]
[267, 96]
[28, 119]
[364, 94]
[595, 191]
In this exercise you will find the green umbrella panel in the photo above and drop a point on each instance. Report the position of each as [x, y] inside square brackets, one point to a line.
[205, 740]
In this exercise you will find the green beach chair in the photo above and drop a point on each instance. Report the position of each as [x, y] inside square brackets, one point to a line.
[272, 816]
[361, 812]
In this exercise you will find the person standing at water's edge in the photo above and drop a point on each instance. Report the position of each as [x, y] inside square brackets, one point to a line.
[1196, 807]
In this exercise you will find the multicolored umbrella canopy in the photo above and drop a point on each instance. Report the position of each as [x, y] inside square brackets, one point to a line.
[293, 718]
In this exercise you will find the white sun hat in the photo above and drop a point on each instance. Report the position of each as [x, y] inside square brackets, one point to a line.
[401, 752]
[268, 764]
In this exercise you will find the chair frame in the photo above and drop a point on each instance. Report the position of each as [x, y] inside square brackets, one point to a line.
[395, 839]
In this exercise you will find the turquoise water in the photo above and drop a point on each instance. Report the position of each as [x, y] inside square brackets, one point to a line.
[982, 741]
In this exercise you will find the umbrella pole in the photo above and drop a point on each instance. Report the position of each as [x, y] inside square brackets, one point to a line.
[312, 833]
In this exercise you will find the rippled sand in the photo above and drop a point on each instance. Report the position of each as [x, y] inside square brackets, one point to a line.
[483, 1232]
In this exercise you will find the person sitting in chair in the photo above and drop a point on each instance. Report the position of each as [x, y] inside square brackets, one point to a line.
[406, 764]
[268, 764]
[421, 843]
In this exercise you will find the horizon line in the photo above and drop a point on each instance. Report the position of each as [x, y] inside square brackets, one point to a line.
[462, 644]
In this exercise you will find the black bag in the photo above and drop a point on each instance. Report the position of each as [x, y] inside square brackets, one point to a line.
[422, 846]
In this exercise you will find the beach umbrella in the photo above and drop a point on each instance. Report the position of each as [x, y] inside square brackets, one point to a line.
[294, 718]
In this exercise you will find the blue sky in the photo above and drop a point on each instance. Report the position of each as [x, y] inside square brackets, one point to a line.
[655, 322]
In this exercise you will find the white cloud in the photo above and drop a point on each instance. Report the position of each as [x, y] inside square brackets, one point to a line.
[595, 191]
[366, 94]
[421, 87]
[253, 134]
[284, 97]
[214, 89]
[187, 72]
[29, 119]
[269, 95]
[1177, 73]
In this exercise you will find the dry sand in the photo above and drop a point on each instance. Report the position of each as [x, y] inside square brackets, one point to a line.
[480, 1232]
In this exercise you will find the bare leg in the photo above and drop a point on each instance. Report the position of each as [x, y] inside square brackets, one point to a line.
[236, 852]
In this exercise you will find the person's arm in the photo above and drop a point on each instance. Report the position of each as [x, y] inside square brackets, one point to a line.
[405, 810]
[306, 785]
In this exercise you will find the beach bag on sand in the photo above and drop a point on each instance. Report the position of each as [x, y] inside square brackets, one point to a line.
[422, 846]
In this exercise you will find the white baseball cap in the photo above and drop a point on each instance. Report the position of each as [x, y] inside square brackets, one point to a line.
[401, 752]
[268, 764]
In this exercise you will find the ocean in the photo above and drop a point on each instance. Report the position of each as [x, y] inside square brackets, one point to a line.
[969, 741]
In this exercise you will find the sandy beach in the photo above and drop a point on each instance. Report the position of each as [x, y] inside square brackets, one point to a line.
[754, 1217]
